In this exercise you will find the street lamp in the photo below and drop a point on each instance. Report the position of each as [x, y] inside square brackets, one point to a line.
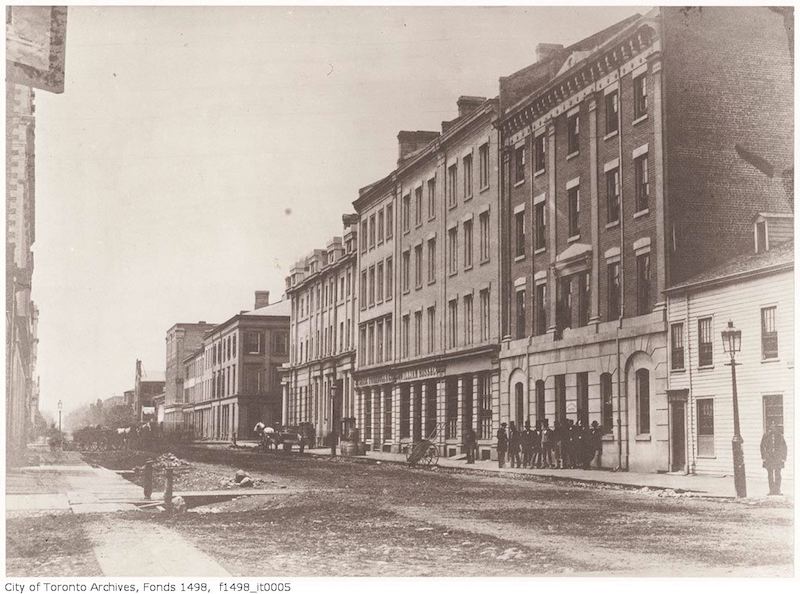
[60, 435]
[732, 344]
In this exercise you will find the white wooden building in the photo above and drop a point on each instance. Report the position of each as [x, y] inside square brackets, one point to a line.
[756, 293]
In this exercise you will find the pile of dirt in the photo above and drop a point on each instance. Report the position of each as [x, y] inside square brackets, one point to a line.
[169, 460]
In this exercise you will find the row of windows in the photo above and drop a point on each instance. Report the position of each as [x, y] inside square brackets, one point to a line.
[573, 299]
[377, 283]
[612, 113]
[772, 412]
[376, 229]
[705, 340]
[642, 194]
[328, 342]
[323, 294]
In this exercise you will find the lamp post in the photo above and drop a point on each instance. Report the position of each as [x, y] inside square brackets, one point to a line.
[333, 417]
[732, 344]
[60, 435]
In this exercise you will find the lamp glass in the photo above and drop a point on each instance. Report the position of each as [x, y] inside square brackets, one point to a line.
[731, 339]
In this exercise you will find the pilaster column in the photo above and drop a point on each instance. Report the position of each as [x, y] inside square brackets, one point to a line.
[424, 412]
[460, 411]
[594, 281]
[377, 408]
[395, 392]
[412, 411]
[552, 228]
[285, 403]
[476, 405]
[658, 165]
[441, 413]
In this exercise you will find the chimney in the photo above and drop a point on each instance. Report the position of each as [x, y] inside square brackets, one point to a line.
[545, 51]
[262, 299]
[468, 104]
[201, 322]
[411, 141]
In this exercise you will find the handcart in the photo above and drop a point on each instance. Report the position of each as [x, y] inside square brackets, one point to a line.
[425, 451]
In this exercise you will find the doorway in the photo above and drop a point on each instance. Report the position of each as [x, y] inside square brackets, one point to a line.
[677, 436]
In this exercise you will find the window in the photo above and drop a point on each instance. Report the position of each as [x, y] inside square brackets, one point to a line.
[349, 281]
[612, 196]
[379, 343]
[519, 229]
[432, 260]
[389, 278]
[540, 309]
[452, 339]
[372, 285]
[519, 165]
[561, 398]
[379, 278]
[431, 329]
[540, 235]
[574, 200]
[583, 298]
[389, 221]
[418, 206]
[705, 341]
[565, 302]
[573, 134]
[607, 402]
[485, 314]
[417, 333]
[612, 112]
[380, 226]
[452, 260]
[406, 213]
[520, 314]
[676, 346]
[452, 180]
[582, 380]
[372, 231]
[405, 335]
[280, 343]
[406, 274]
[253, 342]
[773, 411]
[467, 165]
[642, 401]
[761, 237]
[539, 153]
[539, 397]
[468, 319]
[485, 406]
[364, 236]
[642, 185]
[640, 96]
[432, 198]
[418, 266]
[614, 291]
[468, 244]
[371, 344]
[483, 155]
[769, 333]
[389, 338]
[483, 220]
[705, 427]
[643, 283]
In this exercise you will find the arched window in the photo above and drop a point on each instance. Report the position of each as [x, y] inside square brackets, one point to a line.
[540, 401]
[519, 400]
[642, 401]
[607, 403]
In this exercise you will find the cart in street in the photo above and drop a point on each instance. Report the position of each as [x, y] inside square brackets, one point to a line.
[425, 452]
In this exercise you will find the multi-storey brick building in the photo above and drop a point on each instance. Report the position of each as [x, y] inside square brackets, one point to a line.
[233, 381]
[318, 381]
[181, 340]
[429, 280]
[147, 385]
[622, 174]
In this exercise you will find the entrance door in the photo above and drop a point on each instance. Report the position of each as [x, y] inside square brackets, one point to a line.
[519, 399]
[678, 437]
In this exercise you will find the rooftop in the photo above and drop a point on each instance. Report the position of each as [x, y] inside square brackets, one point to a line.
[279, 308]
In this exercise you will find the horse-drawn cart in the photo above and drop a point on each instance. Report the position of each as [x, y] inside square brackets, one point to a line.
[425, 452]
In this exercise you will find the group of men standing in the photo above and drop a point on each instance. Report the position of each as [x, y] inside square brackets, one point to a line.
[566, 445]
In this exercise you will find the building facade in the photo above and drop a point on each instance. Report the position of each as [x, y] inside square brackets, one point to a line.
[617, 177]
[756, 293]
[233, 381]
[428, 312]
[318, 380]
[147, 385]
[181, 340]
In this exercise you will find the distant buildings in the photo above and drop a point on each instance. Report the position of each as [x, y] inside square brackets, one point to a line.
[35, 49]
[146, 387]
[181, 340]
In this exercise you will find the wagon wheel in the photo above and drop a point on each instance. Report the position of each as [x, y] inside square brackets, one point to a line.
[431, 456]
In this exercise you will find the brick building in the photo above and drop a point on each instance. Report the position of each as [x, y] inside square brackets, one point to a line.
[627, 167]
[147, 385]
[428, 265]
[181, 339]
[233, 380]
[318, 380]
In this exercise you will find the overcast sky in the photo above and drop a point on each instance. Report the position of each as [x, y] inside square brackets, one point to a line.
[197, 153]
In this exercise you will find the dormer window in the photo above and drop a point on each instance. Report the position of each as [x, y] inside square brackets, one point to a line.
[772, 229]
[761, 237]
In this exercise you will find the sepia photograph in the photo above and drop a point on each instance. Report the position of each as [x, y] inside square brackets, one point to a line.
[398, 292]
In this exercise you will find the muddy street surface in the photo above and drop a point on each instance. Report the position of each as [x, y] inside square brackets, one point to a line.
[351, 518]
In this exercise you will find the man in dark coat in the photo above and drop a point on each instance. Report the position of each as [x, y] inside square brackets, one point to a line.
[596, 440]
[513, 445]
[773, 453]
[537, 446]
[502, 445]
[470, 444]
[526, 440]
[548, 443]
